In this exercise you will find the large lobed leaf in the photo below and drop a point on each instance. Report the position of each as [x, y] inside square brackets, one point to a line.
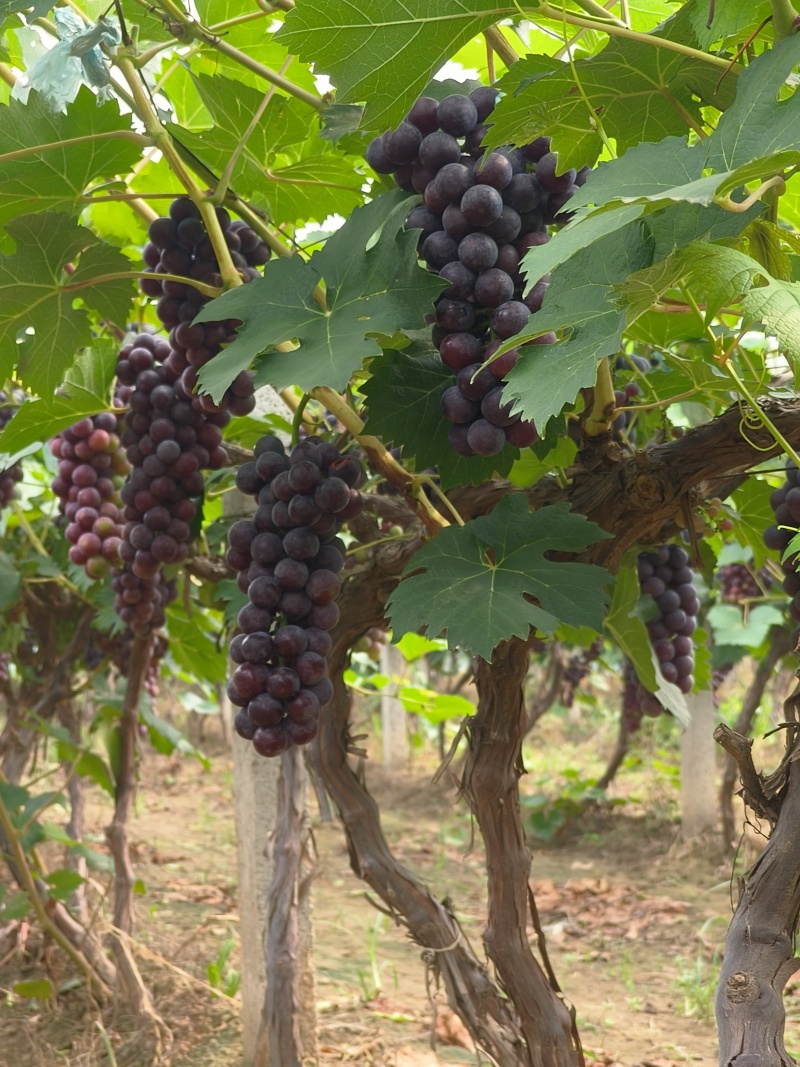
[56, 177]
[640, 92]
[40, 328]
[757, 136]
[476, 582]
[369, 289]
[284, 167]
[384, 51]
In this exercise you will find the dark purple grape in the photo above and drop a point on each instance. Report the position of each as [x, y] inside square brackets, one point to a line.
[265, 711]
[493, 287]
[475, 383]
[402, 146]
[438, 149]
[271, 741]
[481, 205]
[456, 407]
[301, 543]
[291, 641]
[455, 316]
[291, 575]
[485, 439]
[509, 318]
[547, 176]
[452, 182]
[439, 248]
[477, 251]
[462, 281]
[456, 115]
[459, 350]
[376, 157]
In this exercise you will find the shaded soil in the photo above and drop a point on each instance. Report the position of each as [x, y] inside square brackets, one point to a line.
[635, 924]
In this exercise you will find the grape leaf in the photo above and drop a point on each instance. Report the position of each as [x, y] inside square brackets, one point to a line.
[285, 168]
[720, 276]
[475, 581]
[731, 627]
[581, 299]
[734, 18]
[626, 627]
[55, 178]
[384, 51]
[36, 297]
[756, 137]
[369, 290]
[641, 93]
[403, 395]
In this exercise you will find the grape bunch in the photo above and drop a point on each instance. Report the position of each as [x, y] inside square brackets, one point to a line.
[288, 560]
[665, 575]
[9, 477]
[90, 461]
[480, 215]
[785, 503]
[576, 669]
[117, 648]
[636, 700]
[167, 440]
[179, 245]
[737, 582]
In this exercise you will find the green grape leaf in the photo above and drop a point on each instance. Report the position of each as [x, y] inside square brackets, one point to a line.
[732, 627]
[734, 18]
[475, 582]
[284, 166]
[369, 290]
[192, 644]
[55, 178]
[403, 395]
[755, 137]
[718, 277]
[641, 93]
[383, 51]
[625, 626]
[581, 299]
[85, 392]
[37, 297]
[753, 515]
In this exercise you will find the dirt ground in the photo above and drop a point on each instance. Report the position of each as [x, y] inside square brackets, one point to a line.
[635, 923]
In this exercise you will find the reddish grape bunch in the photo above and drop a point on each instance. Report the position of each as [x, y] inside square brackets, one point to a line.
[737, 582]
[288, 559]
[480, 214]
[13, 474]
[168, 441]
[90, 461]
[786, 505]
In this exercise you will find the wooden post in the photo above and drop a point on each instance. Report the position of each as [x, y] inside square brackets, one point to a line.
[394, 727]
[256, 791]
[698, 768]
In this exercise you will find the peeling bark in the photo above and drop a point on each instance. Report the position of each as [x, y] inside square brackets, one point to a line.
[491, 787]
[759, 947]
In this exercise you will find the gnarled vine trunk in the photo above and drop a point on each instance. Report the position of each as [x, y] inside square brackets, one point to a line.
[759, 947]
[491, 786]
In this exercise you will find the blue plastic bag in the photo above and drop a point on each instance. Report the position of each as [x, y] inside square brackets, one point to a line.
[76, 58]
